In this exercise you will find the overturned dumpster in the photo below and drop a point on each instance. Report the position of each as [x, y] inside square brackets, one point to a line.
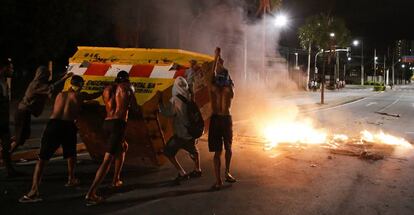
[150, 70]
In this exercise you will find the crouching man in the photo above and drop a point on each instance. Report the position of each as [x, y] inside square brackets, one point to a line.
[181, 139]
[60, 130]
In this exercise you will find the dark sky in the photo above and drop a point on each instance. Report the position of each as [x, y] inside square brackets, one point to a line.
[378, 22]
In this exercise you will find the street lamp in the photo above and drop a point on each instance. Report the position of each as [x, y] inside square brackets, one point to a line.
[356, 43]
[296, 62]
[332, 34]
[349, 58]
[281, 20]
[402, 65]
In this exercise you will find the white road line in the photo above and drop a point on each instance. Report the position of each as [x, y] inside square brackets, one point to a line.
[371, 103]
[386, 107]
[323, 109]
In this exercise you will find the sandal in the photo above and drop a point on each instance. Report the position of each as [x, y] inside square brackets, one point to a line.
[117, 184]
[91, 201]
[182, 177]
[30, 199]
[230, 178]
[73, 183]
[195, 174]
[216, 187]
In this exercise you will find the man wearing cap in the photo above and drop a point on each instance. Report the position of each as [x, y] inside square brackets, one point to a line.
[6, 70]
[60, 131]
[33, 103]
[119, 98]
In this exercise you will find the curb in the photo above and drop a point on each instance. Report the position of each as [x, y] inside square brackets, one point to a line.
[318, 106]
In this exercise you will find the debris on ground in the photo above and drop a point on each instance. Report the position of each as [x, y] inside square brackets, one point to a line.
[388, 114]
[371, 156]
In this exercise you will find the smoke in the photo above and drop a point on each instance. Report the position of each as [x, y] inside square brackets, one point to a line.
[249, 46]
[202, 25]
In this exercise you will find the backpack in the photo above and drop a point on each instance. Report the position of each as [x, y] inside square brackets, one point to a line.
[196, 127]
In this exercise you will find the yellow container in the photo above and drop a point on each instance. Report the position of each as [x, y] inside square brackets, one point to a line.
[150, 70]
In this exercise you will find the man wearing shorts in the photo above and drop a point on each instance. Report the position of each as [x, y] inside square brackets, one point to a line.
[6, 70]
[221, 125]
[119, 99]
[181, 139]
[60, 131]
[37, 93]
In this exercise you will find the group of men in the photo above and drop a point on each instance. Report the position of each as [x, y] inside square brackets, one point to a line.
[119, 103]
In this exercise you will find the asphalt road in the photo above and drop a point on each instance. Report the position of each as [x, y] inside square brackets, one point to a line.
[284, 180]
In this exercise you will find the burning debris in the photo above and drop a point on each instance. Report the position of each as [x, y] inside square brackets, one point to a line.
[367, 146]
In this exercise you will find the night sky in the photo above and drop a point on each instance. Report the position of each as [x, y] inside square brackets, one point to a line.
[378, 22]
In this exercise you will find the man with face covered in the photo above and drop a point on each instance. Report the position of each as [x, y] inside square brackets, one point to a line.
[6, 70]
[33, 103]
[60, 131]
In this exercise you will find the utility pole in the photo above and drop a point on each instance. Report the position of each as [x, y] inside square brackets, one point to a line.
[375, 65]
[385, 66]
[309, 65]
[362, 63]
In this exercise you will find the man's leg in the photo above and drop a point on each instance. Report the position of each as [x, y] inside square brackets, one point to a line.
[22, 128]
[72, 180]
[5, 144]
[100, 175]
[196, 157]
[119, 163]
[217, 166]
[37, 177]
[177, 165]
[228, 155]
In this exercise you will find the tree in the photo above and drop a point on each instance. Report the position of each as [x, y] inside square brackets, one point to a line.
[317, 32]
[317, 29]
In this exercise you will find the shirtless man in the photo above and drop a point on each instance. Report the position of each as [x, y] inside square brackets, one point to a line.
[221, 125]
[118, 99]
[60, 130]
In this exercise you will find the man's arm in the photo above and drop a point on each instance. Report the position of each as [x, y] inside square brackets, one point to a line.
[90, 96]
[53, 86]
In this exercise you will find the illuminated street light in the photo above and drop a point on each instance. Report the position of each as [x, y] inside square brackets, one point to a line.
[376, 58]
[356, 43]
[332, 34]
[281, 20]
[403, 65]
[349, 58]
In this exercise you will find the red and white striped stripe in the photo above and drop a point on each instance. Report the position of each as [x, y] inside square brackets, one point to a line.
[138, 70]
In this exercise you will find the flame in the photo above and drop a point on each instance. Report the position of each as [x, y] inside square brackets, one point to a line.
[386, 139]
[294, 133]
[304, 132]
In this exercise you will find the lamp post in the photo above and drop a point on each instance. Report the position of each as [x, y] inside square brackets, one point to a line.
[356, 43]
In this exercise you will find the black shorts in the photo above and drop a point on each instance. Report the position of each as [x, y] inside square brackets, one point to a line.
[22, 121]
[115, 129]
[220, 133]
[58, 132]
[175, 143]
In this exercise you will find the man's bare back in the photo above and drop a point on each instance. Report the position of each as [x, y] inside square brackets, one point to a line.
[117, 99]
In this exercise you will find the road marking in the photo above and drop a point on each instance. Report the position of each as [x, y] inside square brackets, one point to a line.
[371, 103]
[388, 106]
[323, 109]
